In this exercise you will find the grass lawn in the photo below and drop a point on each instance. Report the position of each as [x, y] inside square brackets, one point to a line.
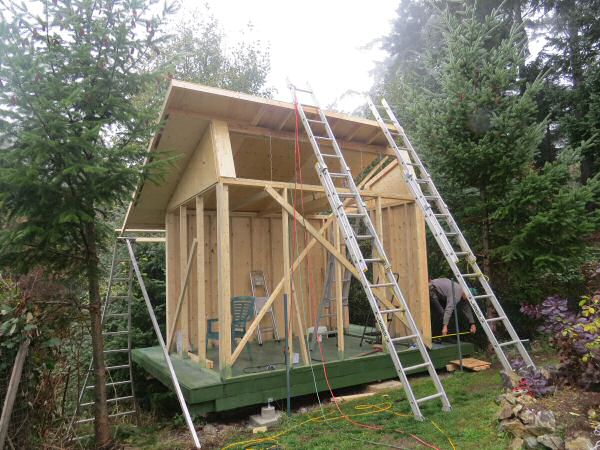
[470, 425]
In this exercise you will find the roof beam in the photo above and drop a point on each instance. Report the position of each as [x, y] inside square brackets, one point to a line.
[244, 128]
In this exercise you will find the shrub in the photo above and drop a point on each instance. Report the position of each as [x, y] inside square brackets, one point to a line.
[575, 334]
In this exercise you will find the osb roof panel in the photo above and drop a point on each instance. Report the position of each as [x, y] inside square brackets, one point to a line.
[257, 111]
[186, 111]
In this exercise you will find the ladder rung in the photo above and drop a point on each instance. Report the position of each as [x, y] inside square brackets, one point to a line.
[330, 155]
[380, 285]
[338, 175]
[495, 319]
[85, 420]
[121, 366]
[364, 237]
[109, 400]
[114, 333]
[441, 215]
[450, 233]
[323, 138]
[124, 413]
[429, 397]
[303, 90]
[374, 260]
[471, 275]
[431, 197]
[416, 366]
[355, 215]
[315, 121]
[404, 338]
[461, 253]
[390, 311]
[117, 350]
[114, 383]
[504, 344]
[477, 297]
[346, 194]
[421, 180]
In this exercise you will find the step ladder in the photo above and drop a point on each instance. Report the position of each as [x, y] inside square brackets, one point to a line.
[449, 237]
[325, 310]
[331, 169]
[258, 282]
[116, 325]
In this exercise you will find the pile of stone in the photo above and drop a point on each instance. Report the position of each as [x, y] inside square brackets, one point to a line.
[530, 427]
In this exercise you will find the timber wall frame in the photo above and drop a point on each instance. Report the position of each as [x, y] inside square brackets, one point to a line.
[220, 225]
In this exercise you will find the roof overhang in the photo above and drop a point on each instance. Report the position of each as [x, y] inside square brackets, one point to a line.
[187, 111]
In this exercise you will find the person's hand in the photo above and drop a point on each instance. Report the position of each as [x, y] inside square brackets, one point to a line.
[444, 330]
[473, 328]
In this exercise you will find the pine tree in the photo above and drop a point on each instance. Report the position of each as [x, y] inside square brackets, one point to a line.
[72, 137]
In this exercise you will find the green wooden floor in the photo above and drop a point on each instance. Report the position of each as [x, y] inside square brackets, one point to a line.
[259, 373]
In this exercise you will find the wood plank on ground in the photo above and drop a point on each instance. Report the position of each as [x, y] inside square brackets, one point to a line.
[384, 386]
[476, 365]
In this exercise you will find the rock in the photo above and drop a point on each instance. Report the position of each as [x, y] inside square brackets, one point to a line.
[578, 443]
[510, 380]
[527, 400]
[510, 398]
[518, 407]
[531, 442]
[505, 412]
[551, 441]
[516, 444]
[209, 429]
[545, 420]
[527, 416]
[514, 427]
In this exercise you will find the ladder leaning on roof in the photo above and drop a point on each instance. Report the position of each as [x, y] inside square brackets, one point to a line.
[449, 237]
[319, 132]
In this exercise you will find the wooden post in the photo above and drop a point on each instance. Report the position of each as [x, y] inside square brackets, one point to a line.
[172, 262]
[287, 284]
[201, 289]
[13, 388]
[183, 293]
[183, 256]
[339, 305]
[223, 280]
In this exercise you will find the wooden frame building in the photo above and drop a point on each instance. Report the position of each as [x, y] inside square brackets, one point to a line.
[232, 202]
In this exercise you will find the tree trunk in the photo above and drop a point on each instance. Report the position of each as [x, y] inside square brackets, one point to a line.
[101, 425]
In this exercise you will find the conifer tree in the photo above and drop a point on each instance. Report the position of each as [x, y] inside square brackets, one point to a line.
[72, 137]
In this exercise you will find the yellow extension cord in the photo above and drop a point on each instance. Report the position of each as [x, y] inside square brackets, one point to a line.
[372, 409]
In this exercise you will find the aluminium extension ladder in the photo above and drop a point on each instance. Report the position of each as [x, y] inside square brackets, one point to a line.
[449, 237]
[117, 308]
[327, 299]
[353, 199]
[116, 331]
[259, 281]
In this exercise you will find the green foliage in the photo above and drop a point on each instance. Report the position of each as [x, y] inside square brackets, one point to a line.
[71, 133]
[474, 117]
[197, 52]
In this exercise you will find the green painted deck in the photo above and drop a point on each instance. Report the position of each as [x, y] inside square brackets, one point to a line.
[252, 382]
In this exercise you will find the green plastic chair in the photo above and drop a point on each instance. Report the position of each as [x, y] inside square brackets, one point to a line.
[242, 310]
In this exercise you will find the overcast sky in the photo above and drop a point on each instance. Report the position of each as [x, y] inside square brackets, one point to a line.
[321, 42]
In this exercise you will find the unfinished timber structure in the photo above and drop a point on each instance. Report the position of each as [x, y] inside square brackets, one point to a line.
[232, 204]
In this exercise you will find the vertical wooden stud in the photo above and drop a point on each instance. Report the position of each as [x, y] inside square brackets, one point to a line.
[339, 317]
[223, 280]
[201, 288]
[183, 322]
[172, 263]
[287, 289]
